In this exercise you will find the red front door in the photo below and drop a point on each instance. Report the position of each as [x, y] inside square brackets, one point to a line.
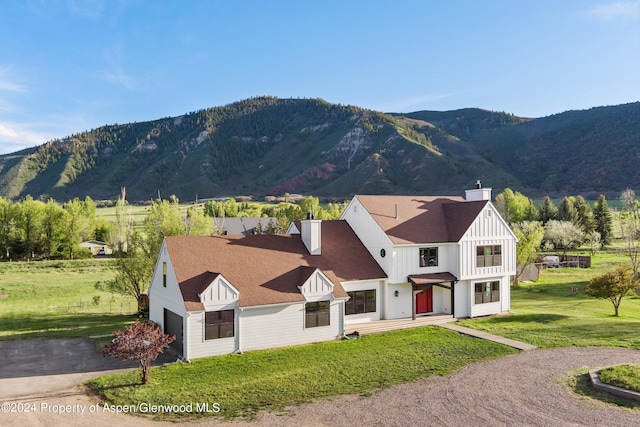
[424, 301]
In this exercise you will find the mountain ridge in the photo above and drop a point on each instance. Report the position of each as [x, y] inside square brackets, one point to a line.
[270, 146]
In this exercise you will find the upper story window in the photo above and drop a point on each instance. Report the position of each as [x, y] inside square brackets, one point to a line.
[219, 324]
[164, 274]
[317, 314]
[489, 256]
[428, 257]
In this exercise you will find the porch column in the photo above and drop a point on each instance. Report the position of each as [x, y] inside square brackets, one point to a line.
[453, 299]
[413, 301]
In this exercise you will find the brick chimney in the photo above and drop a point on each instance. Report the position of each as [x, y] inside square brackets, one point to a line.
[312, 234]
[478, 193]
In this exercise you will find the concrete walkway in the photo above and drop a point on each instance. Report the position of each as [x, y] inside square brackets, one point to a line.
[486, 336]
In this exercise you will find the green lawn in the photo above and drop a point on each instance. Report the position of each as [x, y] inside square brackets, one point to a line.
[548, 314]
[56, 299]
[623, 376]
[272, 379]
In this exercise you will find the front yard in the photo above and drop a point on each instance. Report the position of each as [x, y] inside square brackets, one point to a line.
[58, 299]
[273, 379]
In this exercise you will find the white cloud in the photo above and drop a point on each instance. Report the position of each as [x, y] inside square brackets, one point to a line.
[8, 83]
[627, 10]
[14, 137]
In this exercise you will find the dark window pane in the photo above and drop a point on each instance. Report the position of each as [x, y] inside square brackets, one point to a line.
[371, 301]
[226, 330]
[349, 306]
[226, 316]
[211, 332]
[323, 319]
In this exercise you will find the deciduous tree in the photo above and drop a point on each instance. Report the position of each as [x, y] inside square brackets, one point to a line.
[630, 227]
[142, 342]
[613, 285]
[529, 234]
[562, 235]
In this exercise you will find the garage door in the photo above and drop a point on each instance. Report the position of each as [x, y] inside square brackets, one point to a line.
[173, 326]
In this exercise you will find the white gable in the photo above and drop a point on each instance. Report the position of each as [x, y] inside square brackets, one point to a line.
[317, 287]
[219, 293]
[488, 224]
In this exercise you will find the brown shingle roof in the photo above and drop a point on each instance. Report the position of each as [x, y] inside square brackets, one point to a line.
[267, 269]
[422, 219]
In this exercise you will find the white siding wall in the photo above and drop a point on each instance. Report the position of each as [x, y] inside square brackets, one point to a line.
[487, 229]
[317, 288]
[498, 307]
[283, 325]
[363, 286]
[370, 234]
[161, 297]
[398, 307]
[220, 292]
[462, 299]
[199, 347]
[406, 261]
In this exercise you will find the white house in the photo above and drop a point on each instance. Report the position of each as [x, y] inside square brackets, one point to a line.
[387, 257]
[440, 254]
[221, 294]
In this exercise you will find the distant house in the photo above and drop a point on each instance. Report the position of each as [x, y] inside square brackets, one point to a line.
[388, 257]
[244, 226]
[96, 247]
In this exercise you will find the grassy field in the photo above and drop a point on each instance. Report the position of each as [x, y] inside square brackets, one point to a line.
[548, 314]
[58, 299]
[273, 379]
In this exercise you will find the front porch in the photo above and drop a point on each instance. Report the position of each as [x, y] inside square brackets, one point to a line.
[395, 324]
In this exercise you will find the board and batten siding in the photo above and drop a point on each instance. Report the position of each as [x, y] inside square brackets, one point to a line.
[370, 234]
[318, 287]
[273, 326]
[219, 294]
[487, 229]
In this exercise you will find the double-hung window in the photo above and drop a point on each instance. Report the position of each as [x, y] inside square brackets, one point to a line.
[489, 256]
[316, 314]
[487, 292]
[219, 324]
[428, 257]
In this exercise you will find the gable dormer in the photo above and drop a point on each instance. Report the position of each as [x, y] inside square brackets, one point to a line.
[315, 285]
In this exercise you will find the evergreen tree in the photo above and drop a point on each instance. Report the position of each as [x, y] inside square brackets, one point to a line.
[603, 220]
[548, 211]
[567, 210]
[584, 215]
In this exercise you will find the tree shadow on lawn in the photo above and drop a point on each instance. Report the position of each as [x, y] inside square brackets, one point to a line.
[24, 326]
[544, 318]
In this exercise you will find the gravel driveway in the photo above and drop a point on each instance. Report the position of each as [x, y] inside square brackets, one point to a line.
[524, 389]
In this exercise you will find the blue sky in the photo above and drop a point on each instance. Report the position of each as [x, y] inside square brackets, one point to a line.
[67, 66]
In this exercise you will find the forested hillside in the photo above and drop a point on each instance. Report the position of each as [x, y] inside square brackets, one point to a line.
[577, 152]
[270, 146]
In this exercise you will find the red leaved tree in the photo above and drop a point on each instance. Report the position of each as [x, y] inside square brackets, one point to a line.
[142, 341]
